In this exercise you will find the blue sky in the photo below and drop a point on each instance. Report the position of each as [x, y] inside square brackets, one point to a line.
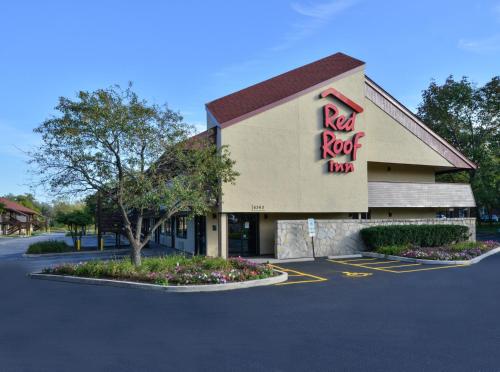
[187, 53]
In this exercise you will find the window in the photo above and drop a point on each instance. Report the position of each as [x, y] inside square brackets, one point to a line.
[181, 227]
[167, 227]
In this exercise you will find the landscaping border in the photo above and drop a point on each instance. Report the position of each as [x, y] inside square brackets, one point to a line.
[432, 262]
[283, 277]
[62, 254]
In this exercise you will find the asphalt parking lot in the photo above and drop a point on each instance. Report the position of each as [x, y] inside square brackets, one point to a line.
[328, 316]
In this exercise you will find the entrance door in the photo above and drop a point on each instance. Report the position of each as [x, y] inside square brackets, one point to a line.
[172, 232]
[200, 234]
[243, 234]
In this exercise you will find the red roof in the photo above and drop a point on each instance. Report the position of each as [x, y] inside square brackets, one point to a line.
[16, 207]
[282, 86]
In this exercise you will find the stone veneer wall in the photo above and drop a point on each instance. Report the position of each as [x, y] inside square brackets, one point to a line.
[342, 237]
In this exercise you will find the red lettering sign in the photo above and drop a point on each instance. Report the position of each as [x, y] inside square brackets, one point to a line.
[333, 121]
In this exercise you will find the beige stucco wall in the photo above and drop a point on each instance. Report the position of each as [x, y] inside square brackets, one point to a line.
[212, 235]
[400, 173]
[278, 155]
[383, 213]
[390, 142]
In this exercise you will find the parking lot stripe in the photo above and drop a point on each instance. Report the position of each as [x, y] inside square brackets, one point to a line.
[388, 269]
[359, 265]
[301, 281]
[431, 268]
[392, 267]
[296, 273]
[380, 262]
[358, 260]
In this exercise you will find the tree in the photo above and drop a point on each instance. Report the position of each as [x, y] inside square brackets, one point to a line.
[469, 118]
[138, 155]
[76, 221]
[28, 200]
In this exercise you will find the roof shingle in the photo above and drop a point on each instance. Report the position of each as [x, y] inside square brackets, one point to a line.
[282, 86]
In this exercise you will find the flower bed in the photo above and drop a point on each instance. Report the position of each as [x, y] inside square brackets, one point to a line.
[451, 252]
[169, 270]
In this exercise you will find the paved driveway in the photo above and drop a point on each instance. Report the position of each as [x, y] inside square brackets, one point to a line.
[439, 320]
[13, 248]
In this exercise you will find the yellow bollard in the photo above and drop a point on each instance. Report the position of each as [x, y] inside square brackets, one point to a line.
[78, 245]
[101, 244]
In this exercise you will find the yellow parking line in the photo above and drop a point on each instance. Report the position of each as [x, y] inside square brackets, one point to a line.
[431, 268]
[299, 273]
[301, 281]
[379, 263]
[359, 259]
[387, 269]
[362, 266]
[391, 267]
[303, 274]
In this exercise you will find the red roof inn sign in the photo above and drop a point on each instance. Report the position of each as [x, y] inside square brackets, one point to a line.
[333, 121]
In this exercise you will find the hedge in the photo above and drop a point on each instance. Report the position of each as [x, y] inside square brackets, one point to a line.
[48, 246]
[418, 235]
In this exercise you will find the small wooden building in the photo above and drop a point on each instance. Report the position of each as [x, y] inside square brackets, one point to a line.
[18, 219]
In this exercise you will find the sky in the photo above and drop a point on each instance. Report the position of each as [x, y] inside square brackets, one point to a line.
[187, 53]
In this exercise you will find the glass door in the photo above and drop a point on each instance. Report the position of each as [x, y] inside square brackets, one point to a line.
[243, 234]
[200, 232]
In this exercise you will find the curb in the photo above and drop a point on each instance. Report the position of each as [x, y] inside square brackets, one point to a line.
[283, 277]
[282, 260]
[432, 262]
[110, 251]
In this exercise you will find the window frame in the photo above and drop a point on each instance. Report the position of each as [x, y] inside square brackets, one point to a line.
[167, 227]
[181, 227]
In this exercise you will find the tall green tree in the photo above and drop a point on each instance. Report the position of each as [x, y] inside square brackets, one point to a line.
[468, 117]
[138, 155]
[76, 221]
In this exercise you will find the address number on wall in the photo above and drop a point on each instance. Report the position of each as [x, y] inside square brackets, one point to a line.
[257, 207]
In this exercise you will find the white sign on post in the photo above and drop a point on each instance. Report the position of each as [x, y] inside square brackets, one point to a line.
[311, 226]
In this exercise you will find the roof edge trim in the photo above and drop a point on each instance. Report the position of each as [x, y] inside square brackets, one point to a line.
[289, 98]
[414, 118]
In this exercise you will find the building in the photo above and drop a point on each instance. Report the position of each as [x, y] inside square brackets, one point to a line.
[322, 141]
[18, 219]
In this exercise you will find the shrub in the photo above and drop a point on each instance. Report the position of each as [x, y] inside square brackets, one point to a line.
[462, 246]
[393, 250]
[418, 235]
[48, 246]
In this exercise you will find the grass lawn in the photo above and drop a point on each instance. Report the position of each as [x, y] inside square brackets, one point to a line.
[169, 270]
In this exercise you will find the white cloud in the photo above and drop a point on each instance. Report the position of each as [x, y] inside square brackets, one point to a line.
[484, 45]
[315, 15]
[322, 10]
